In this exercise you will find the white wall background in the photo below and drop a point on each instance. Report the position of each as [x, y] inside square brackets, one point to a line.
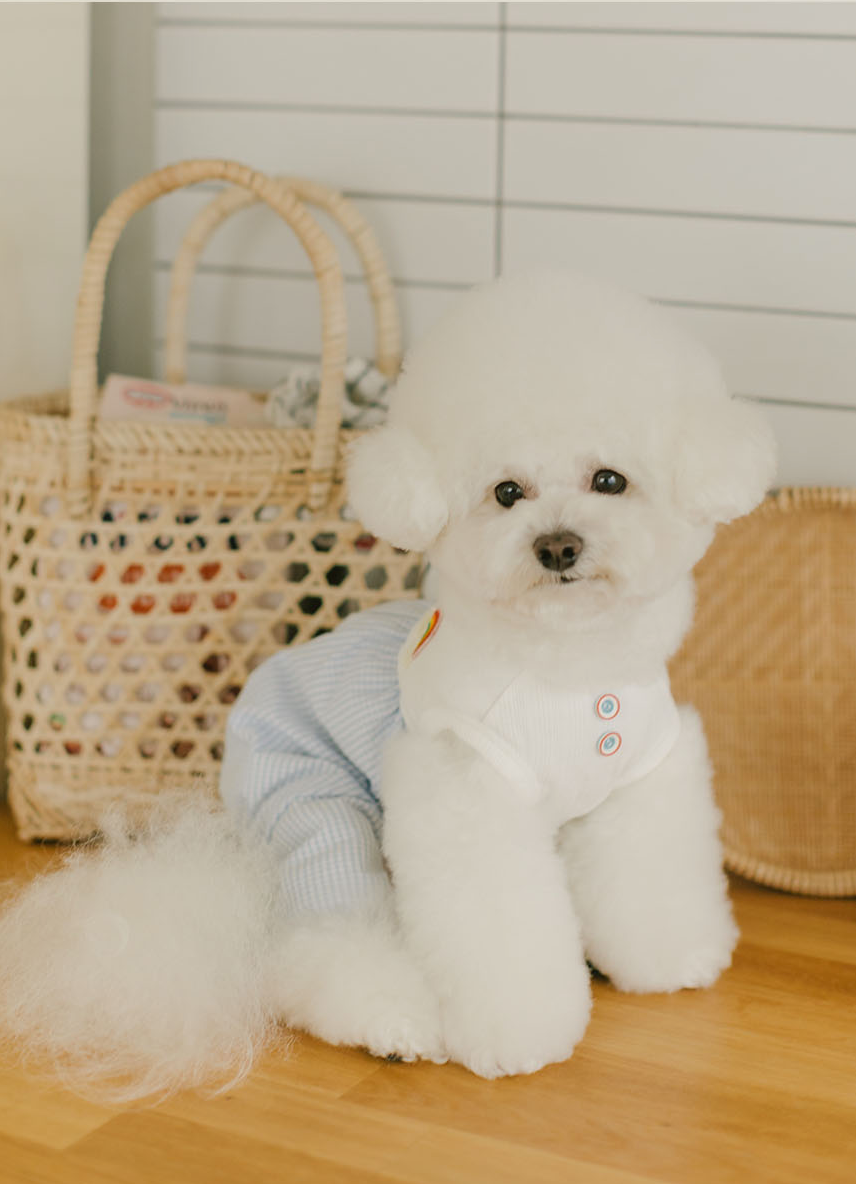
[702, 153]
[44, 133]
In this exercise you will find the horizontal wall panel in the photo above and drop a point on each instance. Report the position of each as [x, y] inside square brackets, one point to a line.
[430, 156]
[815, 447]
[704, 153]
[775, 18]
[253, 372]
[259, 312]
[770, 81]
[804, 359]
[378, 68]
[766, 174]
[272, 314]
[427, 242]
[459, 14]
[708, 261]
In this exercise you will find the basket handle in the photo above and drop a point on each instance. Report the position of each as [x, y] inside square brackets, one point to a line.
[343, 211]
[83, 392]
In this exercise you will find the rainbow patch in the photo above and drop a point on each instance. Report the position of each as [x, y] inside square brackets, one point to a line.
[430, 629]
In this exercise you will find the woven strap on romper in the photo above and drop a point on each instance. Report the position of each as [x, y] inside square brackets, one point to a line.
[387, 327]
[83, 396]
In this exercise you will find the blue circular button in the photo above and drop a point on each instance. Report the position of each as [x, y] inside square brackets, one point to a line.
[607, 706]
[609, 744]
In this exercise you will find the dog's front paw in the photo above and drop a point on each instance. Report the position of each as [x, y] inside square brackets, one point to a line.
[496, 1038]
[350, 981]
[702, 967]
[670, 962]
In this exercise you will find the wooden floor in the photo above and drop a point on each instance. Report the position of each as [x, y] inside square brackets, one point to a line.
[753, 1081]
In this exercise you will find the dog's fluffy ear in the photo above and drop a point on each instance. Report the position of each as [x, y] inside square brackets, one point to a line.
[394, 488]
[726, 461]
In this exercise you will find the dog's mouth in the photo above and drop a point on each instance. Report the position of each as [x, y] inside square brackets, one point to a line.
[562, 579]
[555, 579]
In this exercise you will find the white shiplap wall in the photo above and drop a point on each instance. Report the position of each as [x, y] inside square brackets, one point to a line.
[702, 153]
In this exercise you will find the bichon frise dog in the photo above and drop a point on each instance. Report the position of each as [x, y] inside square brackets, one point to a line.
[462, 802]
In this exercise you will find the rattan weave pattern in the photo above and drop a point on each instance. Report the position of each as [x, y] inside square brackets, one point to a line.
[771, 665]
[147, 569]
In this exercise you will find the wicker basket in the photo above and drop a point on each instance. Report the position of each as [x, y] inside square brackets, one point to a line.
[771, 665]
[148, 568]
[350, 220]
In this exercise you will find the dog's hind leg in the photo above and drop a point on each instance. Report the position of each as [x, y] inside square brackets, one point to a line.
[645, 873]
[347, 978]
[483, 905]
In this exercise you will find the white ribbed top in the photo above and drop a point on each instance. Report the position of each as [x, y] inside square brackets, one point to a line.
[567, 749]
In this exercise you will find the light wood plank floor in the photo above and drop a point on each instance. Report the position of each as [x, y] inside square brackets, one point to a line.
[753, 1081]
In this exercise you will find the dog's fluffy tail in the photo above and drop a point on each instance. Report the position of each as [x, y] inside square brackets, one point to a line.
[140, 966]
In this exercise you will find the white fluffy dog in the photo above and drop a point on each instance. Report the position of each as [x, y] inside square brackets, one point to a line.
[564, 453]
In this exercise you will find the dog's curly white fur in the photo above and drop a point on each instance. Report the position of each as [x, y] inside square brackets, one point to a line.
[544, 382]
[479, 954]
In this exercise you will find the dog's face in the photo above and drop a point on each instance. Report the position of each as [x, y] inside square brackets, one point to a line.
[559, 446]
[567, 530]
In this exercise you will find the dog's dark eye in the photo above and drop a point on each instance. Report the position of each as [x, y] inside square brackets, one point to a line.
[608, 481]
[508, 492]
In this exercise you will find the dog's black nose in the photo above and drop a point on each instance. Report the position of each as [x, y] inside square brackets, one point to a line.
[559, 551]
